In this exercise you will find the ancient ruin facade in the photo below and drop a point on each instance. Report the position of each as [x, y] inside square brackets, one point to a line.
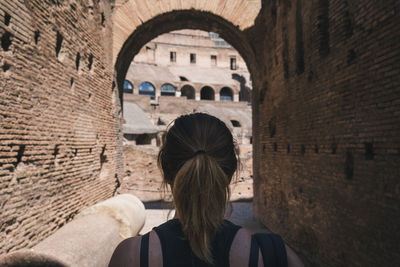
[326, 95]
[142, 115]
[189, 63]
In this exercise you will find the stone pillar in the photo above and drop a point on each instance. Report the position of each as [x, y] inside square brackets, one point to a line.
[197, 95]
[236, 97]
[178, 93]
[136, 87]
[157, 87]
[217, 96]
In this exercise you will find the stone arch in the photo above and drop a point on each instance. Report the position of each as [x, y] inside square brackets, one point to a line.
[176, 20]
[168, 89]
[147, 88]
[188, 91]
[207, 93]
[226, 94]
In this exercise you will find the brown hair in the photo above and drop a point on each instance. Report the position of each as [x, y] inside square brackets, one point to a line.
[198, 160]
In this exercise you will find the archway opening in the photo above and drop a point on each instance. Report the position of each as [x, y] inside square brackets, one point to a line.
[226, 94]
[168, 89]
[184, 19]
[128, 87]
[193, 20]
[143, 139]
[245, 90]
[207, 93]
[188, 92]
[146, 88]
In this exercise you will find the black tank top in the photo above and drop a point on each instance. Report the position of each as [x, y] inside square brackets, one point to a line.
[176, 250]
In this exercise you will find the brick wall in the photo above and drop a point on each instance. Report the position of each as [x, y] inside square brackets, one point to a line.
[327, 155]
[59, 115]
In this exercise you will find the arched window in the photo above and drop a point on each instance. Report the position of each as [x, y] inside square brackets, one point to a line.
[168, 89]
[188, 91]
[128, 87]
[226, 94]
[146, 88]
[207, 93]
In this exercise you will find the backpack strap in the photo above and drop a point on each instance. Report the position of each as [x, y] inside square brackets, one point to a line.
[272, 249]
[144, 251]
[253, 261]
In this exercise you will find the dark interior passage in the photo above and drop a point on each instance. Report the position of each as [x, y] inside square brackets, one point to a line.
[207, 93]
[188, 91]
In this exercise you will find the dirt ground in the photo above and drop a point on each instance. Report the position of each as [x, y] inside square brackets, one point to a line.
[143, 178]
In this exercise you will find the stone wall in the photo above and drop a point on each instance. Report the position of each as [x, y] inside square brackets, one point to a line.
[328, 121]
[182, 105]
[179, 105]
[60, 136]
[185, 42]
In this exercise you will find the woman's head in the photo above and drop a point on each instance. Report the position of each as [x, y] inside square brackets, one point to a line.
[198, 161]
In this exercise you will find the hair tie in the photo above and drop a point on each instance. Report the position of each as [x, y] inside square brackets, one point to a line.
[200, 151]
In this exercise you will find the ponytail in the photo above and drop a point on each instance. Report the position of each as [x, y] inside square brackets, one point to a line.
[198, 160]
[201, 191]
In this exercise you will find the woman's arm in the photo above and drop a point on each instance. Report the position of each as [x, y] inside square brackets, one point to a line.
[127, 252]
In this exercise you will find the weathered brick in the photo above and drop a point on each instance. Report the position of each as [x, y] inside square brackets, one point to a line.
[39, 111]
[337, 209]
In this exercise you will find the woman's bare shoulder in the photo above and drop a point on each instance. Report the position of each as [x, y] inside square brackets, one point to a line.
[127, 253]
[293, 259]
[240, 251]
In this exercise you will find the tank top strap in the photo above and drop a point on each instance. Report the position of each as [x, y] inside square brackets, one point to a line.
[273, 250]
[254, 248]
[224, 240]
[144, 250]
